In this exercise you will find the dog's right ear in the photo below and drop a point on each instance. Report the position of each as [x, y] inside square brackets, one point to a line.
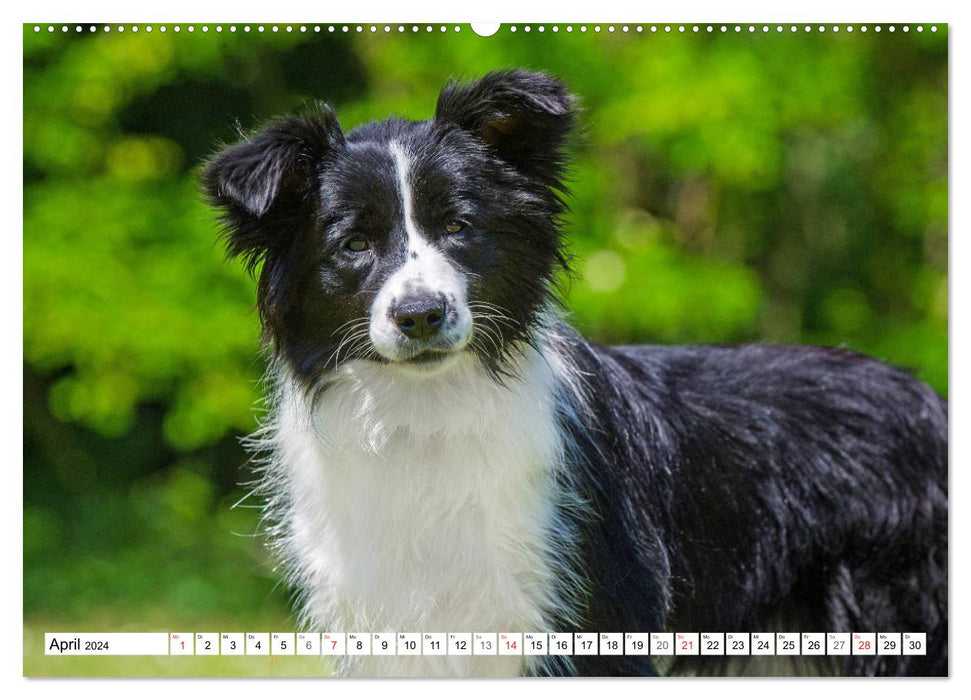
[272, 170]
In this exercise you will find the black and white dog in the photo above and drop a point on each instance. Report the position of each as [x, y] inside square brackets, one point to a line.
[445, 455]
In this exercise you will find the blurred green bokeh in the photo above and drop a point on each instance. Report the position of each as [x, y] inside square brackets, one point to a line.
[727, 187]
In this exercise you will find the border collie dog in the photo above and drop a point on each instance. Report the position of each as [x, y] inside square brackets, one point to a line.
[443, 454]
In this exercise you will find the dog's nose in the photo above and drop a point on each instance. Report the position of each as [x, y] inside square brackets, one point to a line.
[419, 318]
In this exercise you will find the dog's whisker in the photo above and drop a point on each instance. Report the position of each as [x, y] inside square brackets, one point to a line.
[491, 334]
[353, 323]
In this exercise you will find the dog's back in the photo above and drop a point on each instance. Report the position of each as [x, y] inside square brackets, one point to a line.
[769, 488]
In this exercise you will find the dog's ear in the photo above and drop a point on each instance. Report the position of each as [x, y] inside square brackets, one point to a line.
[524, 116]
[271, 171]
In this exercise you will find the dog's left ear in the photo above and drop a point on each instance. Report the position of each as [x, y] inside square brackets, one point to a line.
[524, 116]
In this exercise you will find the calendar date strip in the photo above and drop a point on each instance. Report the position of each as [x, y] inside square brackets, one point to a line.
[486, 644]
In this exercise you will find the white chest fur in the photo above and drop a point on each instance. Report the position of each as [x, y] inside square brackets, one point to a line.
[422, 504]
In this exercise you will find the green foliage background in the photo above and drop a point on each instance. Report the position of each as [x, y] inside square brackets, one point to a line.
[729, 187]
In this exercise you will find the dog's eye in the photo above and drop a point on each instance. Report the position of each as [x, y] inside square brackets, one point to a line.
[357, 244]
[455, 227]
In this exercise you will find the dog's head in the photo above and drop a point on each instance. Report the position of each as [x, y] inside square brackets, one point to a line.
[406, 243]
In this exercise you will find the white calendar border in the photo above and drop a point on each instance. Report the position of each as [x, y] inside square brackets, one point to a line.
[11, 643]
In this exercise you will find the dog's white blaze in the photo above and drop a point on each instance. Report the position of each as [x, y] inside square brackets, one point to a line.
[424, 505]
[424, 267]
[401, 166]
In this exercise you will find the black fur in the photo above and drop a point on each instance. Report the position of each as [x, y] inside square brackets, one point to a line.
[751, 488]
[764, 488]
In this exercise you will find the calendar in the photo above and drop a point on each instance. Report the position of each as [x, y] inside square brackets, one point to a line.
[733, 181]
